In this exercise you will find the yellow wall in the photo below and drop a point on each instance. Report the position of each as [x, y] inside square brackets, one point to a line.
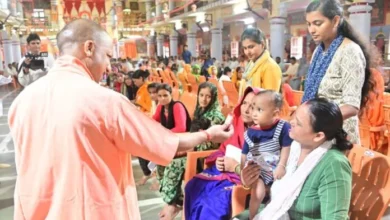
[387, 18]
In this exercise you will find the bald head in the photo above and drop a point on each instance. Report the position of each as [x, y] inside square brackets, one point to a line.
[89, 43]
[79, 31]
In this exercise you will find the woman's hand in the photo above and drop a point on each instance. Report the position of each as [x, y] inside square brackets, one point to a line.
[230, 164]
[220, 164]
[250, 174]
[279, 172]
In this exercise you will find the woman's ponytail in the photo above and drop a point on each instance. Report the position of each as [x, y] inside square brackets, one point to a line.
[342, 142]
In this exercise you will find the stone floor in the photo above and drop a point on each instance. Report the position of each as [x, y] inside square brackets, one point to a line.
[149, 201]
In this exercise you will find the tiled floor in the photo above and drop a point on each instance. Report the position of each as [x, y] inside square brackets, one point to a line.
[149, 201]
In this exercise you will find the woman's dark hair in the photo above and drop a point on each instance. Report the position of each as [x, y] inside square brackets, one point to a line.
[165, 87]
[140, 74]
[153, 86]
[214, 98]
[332, 8]
[168, 121]
[326, 117]
[255, 35]
[226, 70]
[238, 69]
[174, 67]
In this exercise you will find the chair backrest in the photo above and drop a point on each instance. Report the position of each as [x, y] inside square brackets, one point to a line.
[194, 84]
[364, 132]
[226, 110]
[202, 79]
[386, 97]
[189, 100]
[231, 92]
[175, 94]
[297, 97]
[184, 82]
[370, 184]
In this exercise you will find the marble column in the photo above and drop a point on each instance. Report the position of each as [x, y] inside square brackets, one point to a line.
[360, 18]
[191, 39]
[158, 9]
[160, 45]
[171, 5]
[16, 51]
[19, 7]
[23, 45]
[150, 46]
[173, 41]
[13, 8]
[148, 9]
[278, 27]
[216, 40]
[7, 47]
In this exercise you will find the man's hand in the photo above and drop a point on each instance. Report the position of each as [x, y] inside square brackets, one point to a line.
[219, 133]
[27, 61]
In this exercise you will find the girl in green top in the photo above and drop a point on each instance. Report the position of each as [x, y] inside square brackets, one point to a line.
[318, 179]
[207, 107]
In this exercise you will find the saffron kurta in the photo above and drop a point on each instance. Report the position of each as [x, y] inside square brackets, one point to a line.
[73, 140]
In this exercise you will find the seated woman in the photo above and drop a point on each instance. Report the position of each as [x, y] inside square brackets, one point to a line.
[172, 115]
[373, 111]
[208, 195]
[208, 107]
[237, 76]
[318, 179]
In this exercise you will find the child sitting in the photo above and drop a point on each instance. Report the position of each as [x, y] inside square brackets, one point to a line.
[267, 143]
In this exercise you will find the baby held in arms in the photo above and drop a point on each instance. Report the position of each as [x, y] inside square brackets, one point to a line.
[267, 143]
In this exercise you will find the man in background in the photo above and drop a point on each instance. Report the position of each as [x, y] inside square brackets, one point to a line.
[35, 64]
[186, 55]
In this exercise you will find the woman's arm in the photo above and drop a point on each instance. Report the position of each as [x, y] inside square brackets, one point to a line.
[348, 111]
[352, 68]
[335, 190]
[180, 115]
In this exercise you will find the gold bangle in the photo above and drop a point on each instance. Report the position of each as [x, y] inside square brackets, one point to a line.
[237, 169]
[245, 187]
[282, 165]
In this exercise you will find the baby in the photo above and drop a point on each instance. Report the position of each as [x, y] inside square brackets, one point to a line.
[267, 143]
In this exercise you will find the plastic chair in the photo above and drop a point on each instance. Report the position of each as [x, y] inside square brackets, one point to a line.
[231, 92]
[297, 97]
[184, 82]
[239, 194]
[226, 110]
[189, 100]
[194, 84]
[386, 109]
[370, 184]
[202, 79]
[386, 97]
[175, 94]
[287, 111]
